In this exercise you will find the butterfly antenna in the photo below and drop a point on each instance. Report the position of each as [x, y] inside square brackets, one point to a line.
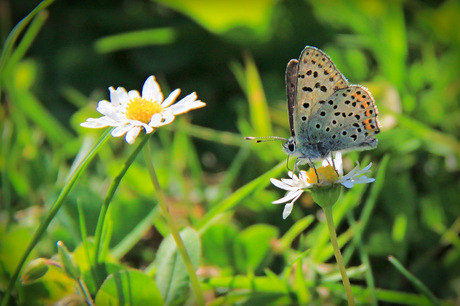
[265, 139]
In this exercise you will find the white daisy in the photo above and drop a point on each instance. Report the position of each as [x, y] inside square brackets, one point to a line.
[129, 112]
[328, 176]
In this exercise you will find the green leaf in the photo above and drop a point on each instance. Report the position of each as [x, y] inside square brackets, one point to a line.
[257, 242]
[49, 288]
[12, 245]
[35, 270]
[129, 287]
[172, 277]
[221, 16]
[219, 242]
[67, 261]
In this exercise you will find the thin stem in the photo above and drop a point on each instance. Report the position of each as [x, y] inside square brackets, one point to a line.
[174, 231]
[84, 290]
[110, 193]
[73, 177]
[338, 256]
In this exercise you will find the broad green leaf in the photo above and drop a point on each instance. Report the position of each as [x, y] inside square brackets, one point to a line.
[171, 276]
[13, 244]
[129, 287]
[257, 241]
[51, 287]
[221, 16]
[219, 242]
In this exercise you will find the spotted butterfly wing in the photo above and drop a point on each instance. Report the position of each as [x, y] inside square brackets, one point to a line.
[345, 121]
[291, 84]
[317, 82]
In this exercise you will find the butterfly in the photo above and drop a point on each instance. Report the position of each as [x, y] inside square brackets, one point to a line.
[326, 114]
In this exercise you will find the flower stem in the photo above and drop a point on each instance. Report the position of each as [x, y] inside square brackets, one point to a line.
[110, 193]
[338, 256]
[73, 177]
[173, 228]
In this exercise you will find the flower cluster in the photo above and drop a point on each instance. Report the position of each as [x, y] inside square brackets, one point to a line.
[322, 177]
[129, 112]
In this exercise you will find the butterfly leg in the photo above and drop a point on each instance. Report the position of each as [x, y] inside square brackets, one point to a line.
[314, 168]
[333, 165]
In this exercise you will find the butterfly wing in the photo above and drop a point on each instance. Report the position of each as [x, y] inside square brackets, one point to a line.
[317, 80]
[291, 81]
[346, 120]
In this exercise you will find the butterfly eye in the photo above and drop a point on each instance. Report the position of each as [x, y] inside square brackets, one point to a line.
[291, 146]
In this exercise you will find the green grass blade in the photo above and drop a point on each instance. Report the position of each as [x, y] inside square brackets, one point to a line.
[136, 234]
[27, 40]
[415, 281]
[152, 37]
[14, 35]
[240, 194]
[75, 174]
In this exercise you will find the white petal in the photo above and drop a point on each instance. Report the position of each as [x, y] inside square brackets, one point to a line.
[171, 98]
[290, 196]
[280, 185]
[133, 94]
[151, 90]
[159, 120]
[156, 120]
[187, 103]
[121, 130]
[94, 123]
[132, 134]
[108, 109]
[148, 129]
[114, 98]
[366, 169]
[122, 95]
[338, 163]
[347, 184]
[287, 210]
[326, 162]
[363, 180]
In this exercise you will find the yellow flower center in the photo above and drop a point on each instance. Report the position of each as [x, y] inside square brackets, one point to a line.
[142, 110]
[327, 175]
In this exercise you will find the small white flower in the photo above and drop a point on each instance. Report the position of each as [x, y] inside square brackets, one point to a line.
[329, 176]
[129, 112]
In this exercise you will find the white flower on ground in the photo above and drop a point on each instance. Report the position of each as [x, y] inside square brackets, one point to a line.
[328, 176]
[129, 112]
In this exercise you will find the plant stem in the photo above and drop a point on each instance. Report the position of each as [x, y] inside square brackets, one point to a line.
[85, 292]
[338, 256]
[174, 231]
[73, 177]
[110, 193]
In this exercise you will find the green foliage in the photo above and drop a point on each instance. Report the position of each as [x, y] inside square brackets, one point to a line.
[171, 275]
[399, 235]
[129, 287]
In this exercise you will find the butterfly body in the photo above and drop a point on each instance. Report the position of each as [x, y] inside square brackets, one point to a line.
[326, 114]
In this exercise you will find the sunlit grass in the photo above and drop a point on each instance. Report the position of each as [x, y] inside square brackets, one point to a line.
[55, 175]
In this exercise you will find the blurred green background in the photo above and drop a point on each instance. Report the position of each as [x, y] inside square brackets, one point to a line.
[234, 54]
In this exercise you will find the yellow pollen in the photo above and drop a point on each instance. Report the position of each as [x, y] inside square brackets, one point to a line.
[326, 174]
[142, 110]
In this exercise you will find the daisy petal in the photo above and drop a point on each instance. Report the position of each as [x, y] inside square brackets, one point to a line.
[347, 184]
[132, 134]
[151, 90]
[120, 130]
[122, 96]
[133, 94]
[171, 98]
[290, 196]
[280, 184]
[114, 98]
[94, 123]
[287, 210]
